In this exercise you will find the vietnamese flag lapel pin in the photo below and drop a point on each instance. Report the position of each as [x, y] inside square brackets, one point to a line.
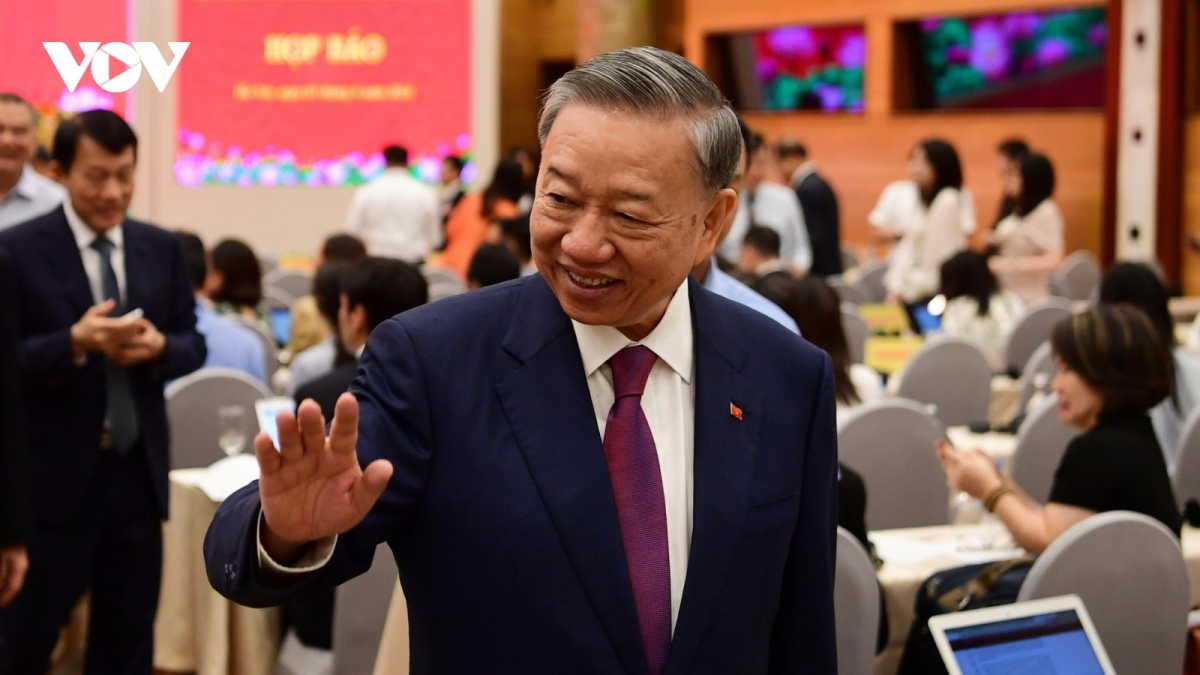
[734, 410]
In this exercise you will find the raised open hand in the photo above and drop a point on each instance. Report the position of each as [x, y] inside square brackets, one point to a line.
[312, 487]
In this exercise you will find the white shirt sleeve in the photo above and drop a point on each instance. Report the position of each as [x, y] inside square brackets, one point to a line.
[317, 556]
[354, 219]
[802, 256]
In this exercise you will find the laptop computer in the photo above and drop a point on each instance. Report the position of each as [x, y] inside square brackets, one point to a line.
[1054, 636]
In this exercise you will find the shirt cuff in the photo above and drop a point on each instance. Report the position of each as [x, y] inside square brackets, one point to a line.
[316, 557]
[81, 361]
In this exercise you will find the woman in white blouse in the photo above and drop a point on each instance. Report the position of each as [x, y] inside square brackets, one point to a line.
[976, 309]
[935, 229]
[1029, 241]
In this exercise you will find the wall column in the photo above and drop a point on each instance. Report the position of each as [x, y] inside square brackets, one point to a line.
[605, 25]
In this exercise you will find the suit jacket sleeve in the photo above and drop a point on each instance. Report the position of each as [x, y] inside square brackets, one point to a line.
[185, 351]
[803, 639]
[394, 424]
[15, 518]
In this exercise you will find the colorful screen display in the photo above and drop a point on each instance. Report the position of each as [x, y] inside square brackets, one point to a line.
[26, 67]
[1048, 59]
[307, 92]
[810, 67]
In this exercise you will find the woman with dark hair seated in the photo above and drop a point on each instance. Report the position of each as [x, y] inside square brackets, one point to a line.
[1112, 369]
[1136, 284]
[235, 282]
[976, 309]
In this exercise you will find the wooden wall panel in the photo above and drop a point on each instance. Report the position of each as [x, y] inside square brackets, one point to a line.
[1191, 202]
[862, 153]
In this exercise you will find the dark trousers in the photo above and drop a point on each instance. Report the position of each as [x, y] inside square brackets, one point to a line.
[113, 547]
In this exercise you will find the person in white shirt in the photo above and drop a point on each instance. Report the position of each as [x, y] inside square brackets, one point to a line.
[452, 190]
[1029, 241]
[24, 193]
[396, 215]
[976, 309]
[935, 230]
[769, 205]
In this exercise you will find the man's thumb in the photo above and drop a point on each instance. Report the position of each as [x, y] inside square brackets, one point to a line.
[371, 484]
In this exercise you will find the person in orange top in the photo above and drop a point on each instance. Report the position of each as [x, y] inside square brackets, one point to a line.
[468, 225]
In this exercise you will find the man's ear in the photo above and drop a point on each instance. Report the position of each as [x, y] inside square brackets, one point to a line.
[721, 211]
[358, 319]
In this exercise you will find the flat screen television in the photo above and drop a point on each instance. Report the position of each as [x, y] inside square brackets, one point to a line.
[1022, 60]
[802, 67]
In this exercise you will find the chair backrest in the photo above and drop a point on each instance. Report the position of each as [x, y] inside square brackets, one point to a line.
[1041, 443]
[443, 283]
[892, 444]
[849, 259]
[1033, 329]
[192, 403]
[1077, 277]
[272, 299]
[855, 606]
[953, 375]
[1129, 570]
[846, 292]
[857, 331]
[870, 281]
[359, 612]
[290, 284]
[267, 264]
[1187, 463]
[1038, 372]
[270, 345]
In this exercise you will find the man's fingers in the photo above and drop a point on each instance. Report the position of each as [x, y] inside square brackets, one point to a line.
[370, 485]
[312, 426]
[268, 457]
[343, 435]
[291, 449]
[101, 309]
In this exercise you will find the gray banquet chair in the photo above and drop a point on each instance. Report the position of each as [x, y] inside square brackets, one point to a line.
[1129, 570]
[272, 300]
[359, 612]
[1077, 278]
[953, 375]
[1187, 462]
[1041, 443]
[857, 331]
[870, 282]
[267, 338]
[1033, 329]
[1036, 375]
[846, 292]
[855, 606]
[443, 283]
[192, 403]
[289, 284]
[892, 444]
[849, 259]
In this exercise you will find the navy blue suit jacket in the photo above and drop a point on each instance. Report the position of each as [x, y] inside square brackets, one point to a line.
[501, 514]
[65, 402]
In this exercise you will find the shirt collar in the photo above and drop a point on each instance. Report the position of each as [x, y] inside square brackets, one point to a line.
[671, 339]
[803, 171]
[84, 235]
[26, 187]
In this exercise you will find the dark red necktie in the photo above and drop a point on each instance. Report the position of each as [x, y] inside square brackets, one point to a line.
[641, 508]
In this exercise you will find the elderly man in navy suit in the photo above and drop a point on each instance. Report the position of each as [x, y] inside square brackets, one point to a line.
[603, 468]
[105, 316]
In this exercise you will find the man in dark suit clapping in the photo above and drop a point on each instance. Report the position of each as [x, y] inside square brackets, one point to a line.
[105, 316]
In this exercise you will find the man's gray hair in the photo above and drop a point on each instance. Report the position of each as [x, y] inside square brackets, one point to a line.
[653, 82]
[10, 97]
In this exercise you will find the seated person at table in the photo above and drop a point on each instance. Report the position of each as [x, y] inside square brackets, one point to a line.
[492, 264]
[373, 291]
[234, 282]
[230, 345]
[976, 309]
[760, 253]
[1138, 285]
[816, 308]
[327, 354]
[308, 326]
[1112, 369]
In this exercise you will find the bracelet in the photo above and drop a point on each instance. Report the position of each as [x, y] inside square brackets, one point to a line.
[993, 497]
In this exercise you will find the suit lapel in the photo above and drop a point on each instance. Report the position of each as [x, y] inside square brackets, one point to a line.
[61, 255]
[723, 474]
[550, 412]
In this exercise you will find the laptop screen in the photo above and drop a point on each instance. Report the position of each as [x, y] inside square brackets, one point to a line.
[1051, 644]
[281, 325]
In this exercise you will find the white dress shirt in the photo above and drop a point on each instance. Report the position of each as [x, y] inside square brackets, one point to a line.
[396, 216]
[669, 402]
[931, 237]
[777, 207]
[84, 236]
[32, 196]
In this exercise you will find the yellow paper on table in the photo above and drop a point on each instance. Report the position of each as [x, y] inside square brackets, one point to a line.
[889, 354]
[885, 319]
